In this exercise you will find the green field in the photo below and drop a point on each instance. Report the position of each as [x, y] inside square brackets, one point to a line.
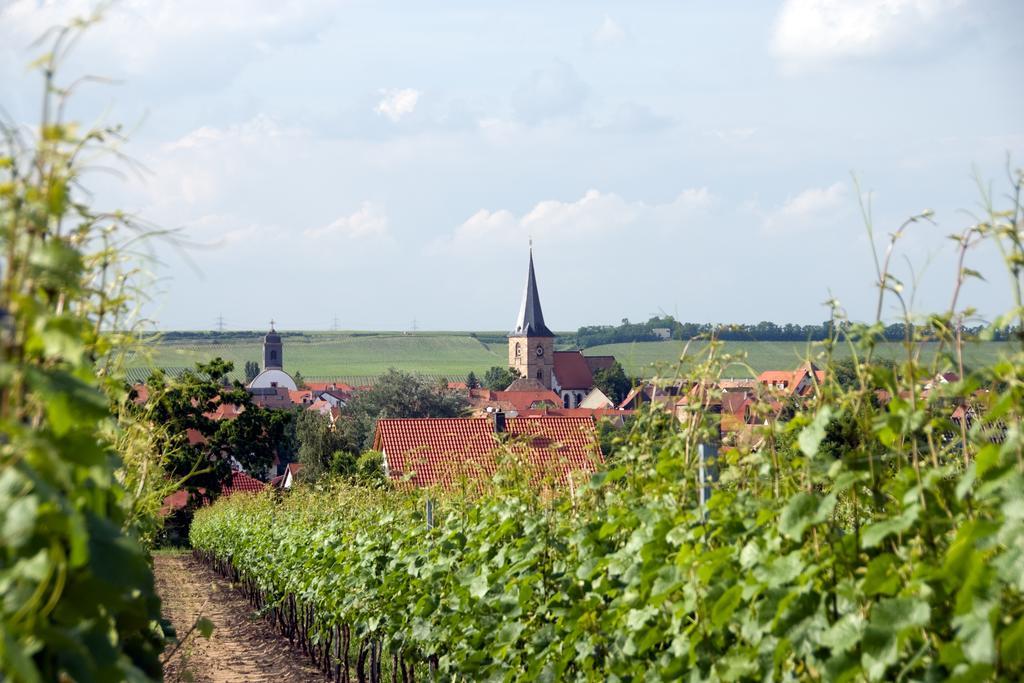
[343, 354]
[648, 358]
[358, 355]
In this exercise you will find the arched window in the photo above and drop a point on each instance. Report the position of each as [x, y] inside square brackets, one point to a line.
[579, 399]
[273, 354]
[565, 401]
[540, 375]
[519, 350]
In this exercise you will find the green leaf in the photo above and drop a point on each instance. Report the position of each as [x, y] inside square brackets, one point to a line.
[811, 436]
[874, 534]
[845, 634]
[882, 578]
[1012, 646]
[478, 586]
[804, 510]
[19, 520]
[638, 617]
[726, 605]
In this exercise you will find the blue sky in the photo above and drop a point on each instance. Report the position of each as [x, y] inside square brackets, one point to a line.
[381, 162]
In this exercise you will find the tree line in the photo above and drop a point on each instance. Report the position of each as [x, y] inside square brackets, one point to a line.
[627, 332]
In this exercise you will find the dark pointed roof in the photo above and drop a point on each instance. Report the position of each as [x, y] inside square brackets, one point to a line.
[530, 322]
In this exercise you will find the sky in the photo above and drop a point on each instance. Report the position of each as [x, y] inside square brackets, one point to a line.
[372, 164]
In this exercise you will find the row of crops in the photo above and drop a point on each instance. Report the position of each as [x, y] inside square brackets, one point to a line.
[851, 544]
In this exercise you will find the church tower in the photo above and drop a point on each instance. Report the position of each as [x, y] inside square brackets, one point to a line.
[531, 345]
[273, 350]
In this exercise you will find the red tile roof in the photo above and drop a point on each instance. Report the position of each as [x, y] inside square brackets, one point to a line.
[432, 451]
[596, 363]
[225, 411]
[321, 406]
[595, 413]
[242, 482]
[526, 400]
[790, 381]
[300, 396]
[572, 370]
[526, 384]
[324, 386]
[175, 501]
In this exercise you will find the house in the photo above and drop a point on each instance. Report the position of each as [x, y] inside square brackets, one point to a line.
[423, 452]
[662, 333]
[335, 397]
[301, 397]
[291, 471]
[800, 382]
[596, 399]
[240, 482]
[664, 394]
[274, 398]
[511, 402]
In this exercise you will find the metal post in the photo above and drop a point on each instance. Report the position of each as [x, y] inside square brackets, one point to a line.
[430, 513]
[708, 470]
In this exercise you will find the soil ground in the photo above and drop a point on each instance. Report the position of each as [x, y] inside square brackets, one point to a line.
[241, 648]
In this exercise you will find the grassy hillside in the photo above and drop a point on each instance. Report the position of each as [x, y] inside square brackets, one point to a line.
[646, 358]
[451, 354]
[344, 354]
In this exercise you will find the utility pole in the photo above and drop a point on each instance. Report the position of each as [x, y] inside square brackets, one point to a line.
[220, 323]
[414, 324]
[334, 324]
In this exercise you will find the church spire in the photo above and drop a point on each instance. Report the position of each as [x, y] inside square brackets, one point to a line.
[530, 322]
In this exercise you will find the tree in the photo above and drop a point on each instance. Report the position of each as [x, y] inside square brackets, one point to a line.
[300, 381]
[613, 382]
[396, 394]
[370, 469]
[498, 378]
[318, 443]
[252, 368]
[471, 381]
[196, 444]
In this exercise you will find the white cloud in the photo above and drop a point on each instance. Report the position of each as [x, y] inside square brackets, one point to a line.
[367, 222]
[257, 130]
[595, 214]
[397, 103]
[812, 208]
[608, 32]
[197, 44]
[810, 30]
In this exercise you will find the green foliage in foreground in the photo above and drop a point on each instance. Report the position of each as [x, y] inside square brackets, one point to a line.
[884, 561]
[77, 485]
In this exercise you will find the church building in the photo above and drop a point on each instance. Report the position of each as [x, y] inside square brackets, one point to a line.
[273, 375]
[531, 352]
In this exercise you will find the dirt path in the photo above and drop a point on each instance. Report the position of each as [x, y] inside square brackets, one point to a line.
[242, 647]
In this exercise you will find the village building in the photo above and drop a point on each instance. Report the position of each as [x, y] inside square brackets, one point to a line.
[531, 352]
[273, 375]
[512, 402]
[423, 452]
